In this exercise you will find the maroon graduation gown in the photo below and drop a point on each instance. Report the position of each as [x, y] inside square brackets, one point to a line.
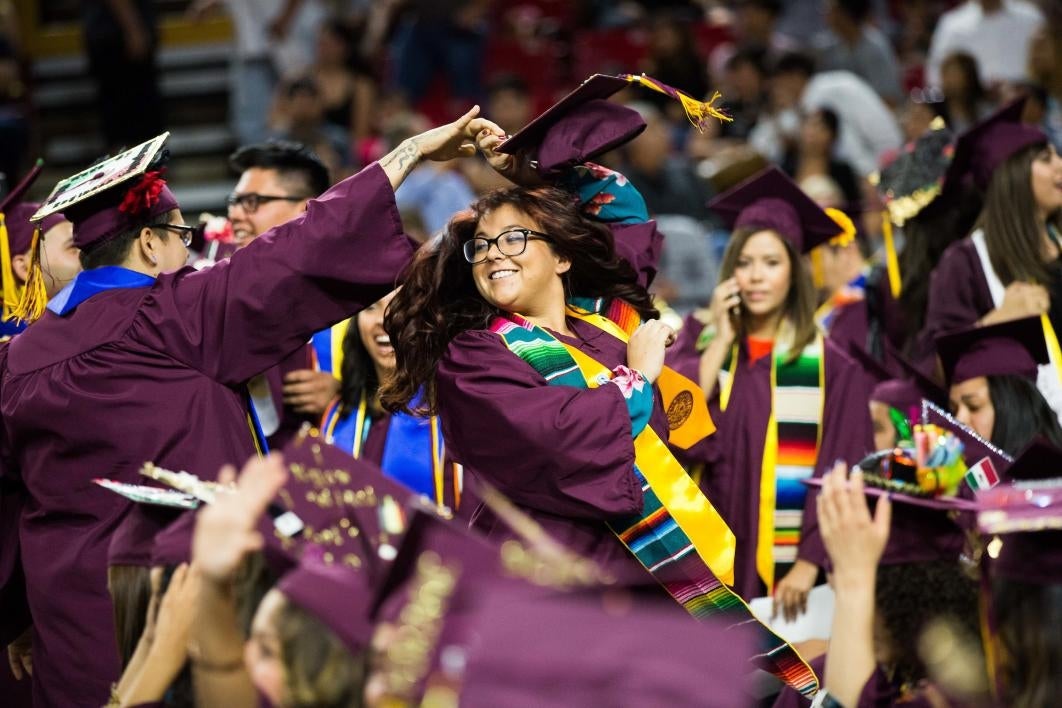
[563, 455]
[732, 458]
[157, 373]
[958, 291]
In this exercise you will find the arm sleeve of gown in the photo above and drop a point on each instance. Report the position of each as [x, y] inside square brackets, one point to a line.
[847, 434]
[952, 302]
[559, 449]
[14, 607]
[241, 316]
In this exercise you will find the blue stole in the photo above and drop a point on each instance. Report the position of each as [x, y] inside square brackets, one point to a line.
[9, 328]
[97, 280]
[412, 451]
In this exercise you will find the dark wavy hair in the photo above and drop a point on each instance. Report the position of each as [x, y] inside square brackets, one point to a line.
[439, 299]
[908, 596]
[1022, 414]
[358, 371]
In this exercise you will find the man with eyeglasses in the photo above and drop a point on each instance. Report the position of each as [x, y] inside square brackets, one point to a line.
[277, 179]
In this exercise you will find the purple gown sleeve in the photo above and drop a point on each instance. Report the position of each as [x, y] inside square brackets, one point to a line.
[847, 434]
[562, 450]
[241, 316]
[958, 291]
[14, 607]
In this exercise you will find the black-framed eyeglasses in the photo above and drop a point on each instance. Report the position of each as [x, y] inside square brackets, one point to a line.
[251, 201]
[186, 233]
[510, 243]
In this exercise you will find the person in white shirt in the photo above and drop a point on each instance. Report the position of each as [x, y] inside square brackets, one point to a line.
[995, 32]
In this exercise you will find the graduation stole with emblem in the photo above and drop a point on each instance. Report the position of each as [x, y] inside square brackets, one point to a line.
[414, 452]
[679, 538]
[794, 432]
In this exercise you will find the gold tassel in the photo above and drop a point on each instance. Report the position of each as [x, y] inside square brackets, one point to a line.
[818, 273]
[34, 296]
[698, 112]
[892, 263]
[12, 291]
[848, 229]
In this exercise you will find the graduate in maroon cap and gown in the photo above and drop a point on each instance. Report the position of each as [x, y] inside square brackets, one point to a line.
[531, 333]
[1010, 266]
[992, 373]
[140, 359]
[788, 402]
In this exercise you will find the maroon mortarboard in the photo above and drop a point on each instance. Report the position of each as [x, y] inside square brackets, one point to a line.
[770, 200]
[133, 541]
[1027, 518]
[173, 545]
[1038, 461]
[579, 127]
[888, 387]
[113, 195]
[577, 651]
[1014, 348]
[348, 507]
[986, 145]
[336, 594]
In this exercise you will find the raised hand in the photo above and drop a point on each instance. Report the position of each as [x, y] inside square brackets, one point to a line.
[225, 530]
[445, 142]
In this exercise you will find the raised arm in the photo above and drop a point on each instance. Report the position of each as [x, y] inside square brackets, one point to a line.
[241, 316]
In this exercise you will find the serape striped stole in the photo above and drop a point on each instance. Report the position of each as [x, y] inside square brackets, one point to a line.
[678, 537]
[790, 449]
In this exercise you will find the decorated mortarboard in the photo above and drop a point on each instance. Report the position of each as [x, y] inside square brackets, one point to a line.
[1014, 348]
[102, 201]
[348, 508]
[770, 200]
[585, 123]
[915, 177]
[133, 541]
[336, 594]
[590, 651]
[1026, 519]
[986, 145]
[975, 448]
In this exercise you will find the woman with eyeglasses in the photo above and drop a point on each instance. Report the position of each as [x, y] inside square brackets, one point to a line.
[408, 448]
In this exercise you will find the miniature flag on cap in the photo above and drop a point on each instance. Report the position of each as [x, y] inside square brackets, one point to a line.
[982, 475]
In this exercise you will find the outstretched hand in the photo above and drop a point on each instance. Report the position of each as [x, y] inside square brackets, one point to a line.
[854, 539]
[516, 168]
[445, 142]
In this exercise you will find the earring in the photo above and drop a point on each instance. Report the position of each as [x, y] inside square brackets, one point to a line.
[154, 260]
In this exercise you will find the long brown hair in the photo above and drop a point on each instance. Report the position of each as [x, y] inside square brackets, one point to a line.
[799, 302]
[439, 300]
[319, 669]
[1013, 232]
[130, 588]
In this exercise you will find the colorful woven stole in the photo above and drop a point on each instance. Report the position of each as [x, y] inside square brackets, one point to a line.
[790, 449]
[404, 459]
[678, 537]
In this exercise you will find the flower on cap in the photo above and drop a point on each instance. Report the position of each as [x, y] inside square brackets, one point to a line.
[143, 195]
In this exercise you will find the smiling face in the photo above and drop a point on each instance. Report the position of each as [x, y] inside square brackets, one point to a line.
[261, 180]
[971, 404]
[528, 284]
[1046, 180]
[764, 273]
[373, 336]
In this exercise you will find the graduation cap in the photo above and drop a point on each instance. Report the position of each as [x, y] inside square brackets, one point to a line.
[133, 541]
[336, 594]
[915, 177]
[1027, 519]
[585, 123]
[1038, 461]
[986, 145]
[589, 652]
[975, 447]
[770, 200]
[1014, 348]
[173, 544]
